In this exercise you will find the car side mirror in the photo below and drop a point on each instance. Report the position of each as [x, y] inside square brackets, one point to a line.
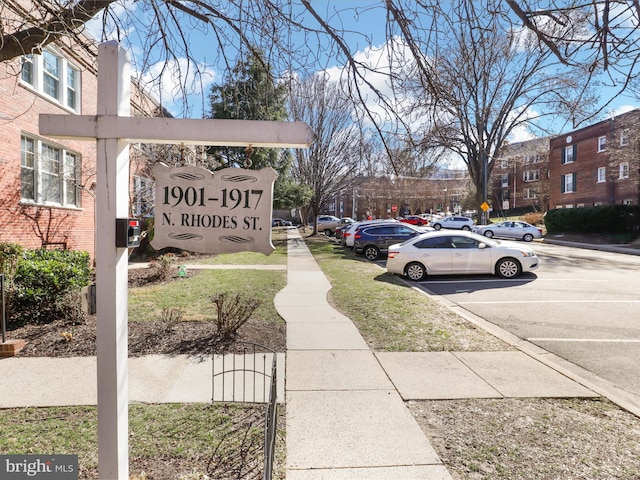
[482, 245]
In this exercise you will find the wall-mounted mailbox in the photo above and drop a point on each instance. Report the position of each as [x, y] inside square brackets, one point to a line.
[127, 232]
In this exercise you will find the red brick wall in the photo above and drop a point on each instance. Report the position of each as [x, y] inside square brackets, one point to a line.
[589, 191]
[31, 225]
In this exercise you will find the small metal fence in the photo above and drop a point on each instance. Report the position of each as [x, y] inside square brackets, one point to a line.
[250, 377]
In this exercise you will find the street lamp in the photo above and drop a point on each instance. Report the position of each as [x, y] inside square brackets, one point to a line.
[445, 201]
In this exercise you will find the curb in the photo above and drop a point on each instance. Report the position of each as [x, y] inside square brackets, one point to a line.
[591, 246]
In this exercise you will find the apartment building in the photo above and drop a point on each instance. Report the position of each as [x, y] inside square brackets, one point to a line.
[520, 177]
[47, 185]
[596, 165]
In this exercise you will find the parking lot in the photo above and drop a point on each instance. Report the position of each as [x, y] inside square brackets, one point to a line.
[580, 304]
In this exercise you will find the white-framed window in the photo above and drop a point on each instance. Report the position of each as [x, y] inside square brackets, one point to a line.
[568, 154]
[602, 143]
[504, 180]
[50, 175]
[602, 174]
[624, 170]
[531, 175]
[504, 164]
[627, 201]
[28, 70]
[624, 137]
[529, 193]
[143, 196]
[568, 184]
[53, 76]
[534, 158]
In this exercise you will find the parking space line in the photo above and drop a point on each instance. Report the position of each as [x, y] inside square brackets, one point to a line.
[547, 301]
[587, 340]
[511, 280]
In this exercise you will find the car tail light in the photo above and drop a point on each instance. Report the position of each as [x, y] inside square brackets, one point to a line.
[392, 254]
[357, 235]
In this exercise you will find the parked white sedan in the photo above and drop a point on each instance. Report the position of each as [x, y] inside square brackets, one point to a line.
[447, 253]
[517, 230]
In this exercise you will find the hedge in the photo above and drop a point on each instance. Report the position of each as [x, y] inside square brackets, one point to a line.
[609, 219]
[43, 280]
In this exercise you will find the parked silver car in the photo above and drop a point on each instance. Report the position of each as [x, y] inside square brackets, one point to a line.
[517, 230]
[327, 224]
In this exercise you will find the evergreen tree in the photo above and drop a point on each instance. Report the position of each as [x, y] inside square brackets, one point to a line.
[250, 93]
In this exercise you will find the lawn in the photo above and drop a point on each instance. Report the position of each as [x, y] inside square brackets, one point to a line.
[388, 312]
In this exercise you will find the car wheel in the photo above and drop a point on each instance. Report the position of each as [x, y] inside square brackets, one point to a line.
[371, 252]
[527, 237]
[508, 268]
[466, 227]
[415, 271]
[488, 234]
[437, 226]
[327, 232]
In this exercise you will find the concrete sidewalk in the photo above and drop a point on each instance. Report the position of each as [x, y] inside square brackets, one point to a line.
[49, 382]
[346, 417]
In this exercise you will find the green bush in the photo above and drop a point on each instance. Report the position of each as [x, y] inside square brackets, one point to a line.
[609, 219]
[43, 277]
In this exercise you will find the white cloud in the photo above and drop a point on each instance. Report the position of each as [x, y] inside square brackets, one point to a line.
[622, 109]
[178, 84]
[375, 68]
[109, 30]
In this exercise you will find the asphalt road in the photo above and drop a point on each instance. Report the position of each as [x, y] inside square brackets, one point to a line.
[582, 305]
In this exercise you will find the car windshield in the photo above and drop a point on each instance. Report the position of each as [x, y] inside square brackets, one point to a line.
[492, 242]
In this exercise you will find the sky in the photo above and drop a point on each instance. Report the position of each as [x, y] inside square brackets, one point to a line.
[371, 23]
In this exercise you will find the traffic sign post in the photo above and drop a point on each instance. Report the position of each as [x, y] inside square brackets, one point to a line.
[485, 218]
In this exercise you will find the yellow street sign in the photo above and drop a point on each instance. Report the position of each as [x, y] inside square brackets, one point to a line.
[484, 206]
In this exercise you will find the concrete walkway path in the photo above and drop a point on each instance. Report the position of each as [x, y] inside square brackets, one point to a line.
[345, 419]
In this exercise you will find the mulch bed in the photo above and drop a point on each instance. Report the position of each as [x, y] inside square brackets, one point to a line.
[62, 338]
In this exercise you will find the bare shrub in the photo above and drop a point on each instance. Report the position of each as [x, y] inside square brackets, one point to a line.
[171, 316]
[69, 306]
[534, 218]
[163, 266]
[233, 312]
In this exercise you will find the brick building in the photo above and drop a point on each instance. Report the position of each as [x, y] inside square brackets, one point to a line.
[47, 185]
[520, 178]
[596, 165]
[445, 191]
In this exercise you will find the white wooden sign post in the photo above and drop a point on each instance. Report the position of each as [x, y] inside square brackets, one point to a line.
[113, 129]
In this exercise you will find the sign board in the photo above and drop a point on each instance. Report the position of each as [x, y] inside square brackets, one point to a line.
[484, 206]
[222, 212]
[394, 208]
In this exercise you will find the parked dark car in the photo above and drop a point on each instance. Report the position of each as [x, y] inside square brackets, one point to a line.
[280, 222]
[374, 240]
